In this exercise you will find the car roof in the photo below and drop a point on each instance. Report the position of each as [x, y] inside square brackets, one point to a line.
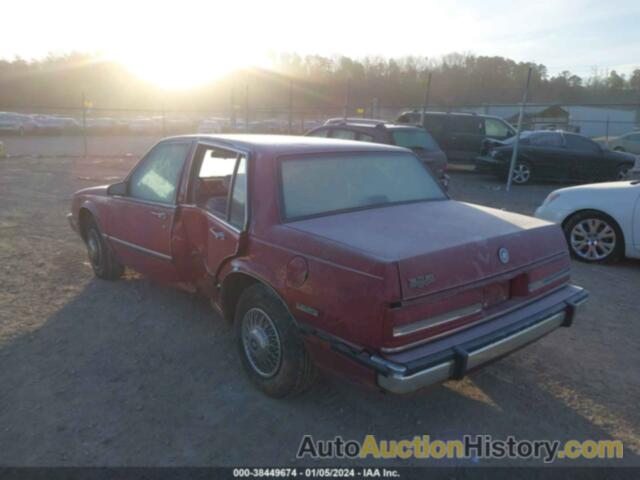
[369, 125]
[456, 114]
[290, 144]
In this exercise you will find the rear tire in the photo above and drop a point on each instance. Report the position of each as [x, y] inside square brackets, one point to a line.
[594, 237]
[271, 348]
[101, 258]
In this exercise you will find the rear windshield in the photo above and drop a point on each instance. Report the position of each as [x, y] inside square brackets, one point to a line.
[331, 183]
[415, 139]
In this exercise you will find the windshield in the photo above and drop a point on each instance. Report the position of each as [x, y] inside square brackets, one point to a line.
[329, 183]
[415, 139]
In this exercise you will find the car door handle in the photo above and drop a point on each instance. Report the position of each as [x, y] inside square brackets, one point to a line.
[160, 215]
[216, 234]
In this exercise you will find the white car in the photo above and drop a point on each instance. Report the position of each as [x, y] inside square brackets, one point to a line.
[16, 123]
[601, 221]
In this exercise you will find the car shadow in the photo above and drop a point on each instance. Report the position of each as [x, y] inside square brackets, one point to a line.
[133, 373]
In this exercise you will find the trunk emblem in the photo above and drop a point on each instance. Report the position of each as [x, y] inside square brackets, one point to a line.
[503, 255]
[421, 281]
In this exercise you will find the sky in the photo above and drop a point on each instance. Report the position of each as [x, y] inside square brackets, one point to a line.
[191, 41]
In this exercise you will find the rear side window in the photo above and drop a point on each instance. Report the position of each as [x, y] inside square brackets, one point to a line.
[363, 137]
[546, 140]
[417, 139]
[409, 118]
[581, 144]
[495, 128]
[156, 179]
[343, 134]
[220, 188]
[435, 124]
[323, 132]
[239, 195]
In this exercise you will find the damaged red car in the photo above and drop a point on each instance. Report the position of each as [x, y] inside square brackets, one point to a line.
[334, 255]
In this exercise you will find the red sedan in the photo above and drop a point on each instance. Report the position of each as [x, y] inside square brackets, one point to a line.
[335, 254]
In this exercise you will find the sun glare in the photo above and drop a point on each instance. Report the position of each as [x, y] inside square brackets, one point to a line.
[181, 70]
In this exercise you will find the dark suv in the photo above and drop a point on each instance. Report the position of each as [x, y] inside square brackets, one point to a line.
[379, 131]
[461, 135]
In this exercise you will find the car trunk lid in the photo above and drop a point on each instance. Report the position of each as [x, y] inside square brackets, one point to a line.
[441, 245]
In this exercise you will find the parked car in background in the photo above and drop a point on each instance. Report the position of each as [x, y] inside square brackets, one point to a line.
[55, 124]
[601, 222]
[346, 256]
[561, 156]
[16, 123]
[270, 125]
[145, 125]
[461, 135]
[101, 124]
[629, 142]
[213, 125]
[379, 131]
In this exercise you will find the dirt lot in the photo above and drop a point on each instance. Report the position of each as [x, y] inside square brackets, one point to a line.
[133, 373]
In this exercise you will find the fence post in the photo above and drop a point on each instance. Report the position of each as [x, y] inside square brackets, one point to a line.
[606, 135]
[290, 107]
[374, 107]
[246, 108]
[346, 98]
[233, 110]
[425, 104]
[164, 123]
[514, 154]
[84, 123]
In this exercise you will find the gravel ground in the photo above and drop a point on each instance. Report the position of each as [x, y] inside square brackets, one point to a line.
[133, 373]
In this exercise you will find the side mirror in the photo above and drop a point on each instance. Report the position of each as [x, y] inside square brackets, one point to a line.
[119, 188]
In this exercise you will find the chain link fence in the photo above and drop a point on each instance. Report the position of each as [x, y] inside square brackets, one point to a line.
[90, 130]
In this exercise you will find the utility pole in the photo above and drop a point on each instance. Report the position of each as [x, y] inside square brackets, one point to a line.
[291, 107]
[246, 108]
[346, 99]
[84, 123]
[233, 110]
[514, 155]
[425, 104]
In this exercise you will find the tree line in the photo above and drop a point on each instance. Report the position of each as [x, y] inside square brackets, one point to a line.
[309, 82]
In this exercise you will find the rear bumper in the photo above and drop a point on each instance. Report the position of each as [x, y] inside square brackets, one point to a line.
[454, 356]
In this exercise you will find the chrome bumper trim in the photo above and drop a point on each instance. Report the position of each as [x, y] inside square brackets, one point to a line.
[537, 285]
[437, 320]
[438, 373]
[515, 341]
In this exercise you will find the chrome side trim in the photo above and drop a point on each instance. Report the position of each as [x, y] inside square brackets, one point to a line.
[537, 285]
[139, 248]
[169, 206]
[437, 320]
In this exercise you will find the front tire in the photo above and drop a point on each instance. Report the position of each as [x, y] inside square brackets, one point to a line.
[102, 260]
[521, 173]
[594, 237]
[622, 172]
[271, 348]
